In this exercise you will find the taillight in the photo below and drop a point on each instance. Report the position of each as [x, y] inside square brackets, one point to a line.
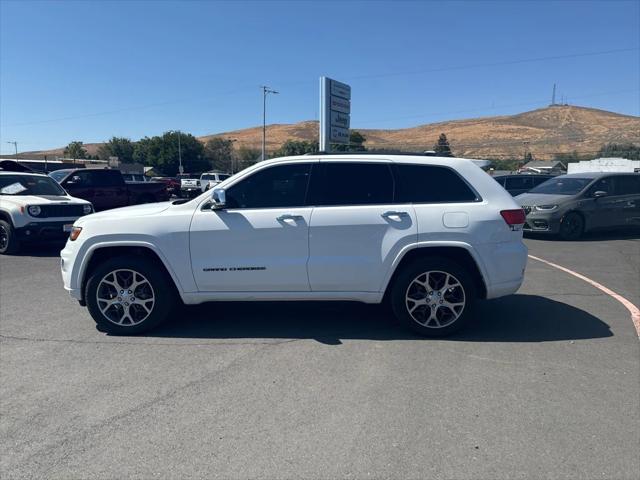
[514, 217]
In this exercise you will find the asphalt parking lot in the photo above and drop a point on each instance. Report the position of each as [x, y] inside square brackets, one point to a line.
[545, 384]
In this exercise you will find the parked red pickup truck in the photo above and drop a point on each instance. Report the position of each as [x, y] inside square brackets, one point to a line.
[105, 188]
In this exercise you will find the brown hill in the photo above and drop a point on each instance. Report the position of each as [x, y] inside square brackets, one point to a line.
[544, 132]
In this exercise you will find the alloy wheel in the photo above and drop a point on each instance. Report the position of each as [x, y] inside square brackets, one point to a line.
[435, 299]
[125, 297]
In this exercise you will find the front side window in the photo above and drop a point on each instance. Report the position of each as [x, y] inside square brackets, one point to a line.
[279, 186]
[628, 185]
[603, 185]
[433, 184]
[342, 183]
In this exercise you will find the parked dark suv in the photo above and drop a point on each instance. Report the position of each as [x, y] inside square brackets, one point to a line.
[517, 184]
[570, 205]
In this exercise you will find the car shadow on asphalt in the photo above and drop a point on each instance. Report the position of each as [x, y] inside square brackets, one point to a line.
[516, 318]
[38, 249]
[595, 236]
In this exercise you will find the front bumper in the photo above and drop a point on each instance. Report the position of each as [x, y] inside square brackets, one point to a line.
[39, 231]
[542, 222]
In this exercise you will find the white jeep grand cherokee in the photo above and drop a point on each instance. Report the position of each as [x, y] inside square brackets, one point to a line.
[429, 234]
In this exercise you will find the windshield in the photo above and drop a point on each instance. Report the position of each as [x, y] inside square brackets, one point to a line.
[29, 185]
[59, 175]
[562, 186]
[208, 177]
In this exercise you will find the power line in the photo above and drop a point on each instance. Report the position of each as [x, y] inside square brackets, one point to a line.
[356, 77]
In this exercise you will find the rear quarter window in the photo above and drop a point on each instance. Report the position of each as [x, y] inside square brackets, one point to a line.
[432, 184]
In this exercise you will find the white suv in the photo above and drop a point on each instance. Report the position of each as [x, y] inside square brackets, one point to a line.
[209, 180]
[429, 234]
[33, 207]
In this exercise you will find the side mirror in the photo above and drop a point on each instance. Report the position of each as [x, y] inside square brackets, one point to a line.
[599, 194]
[219, 198]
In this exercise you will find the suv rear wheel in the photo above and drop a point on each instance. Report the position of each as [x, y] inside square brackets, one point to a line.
[433, 297]
[129, 295]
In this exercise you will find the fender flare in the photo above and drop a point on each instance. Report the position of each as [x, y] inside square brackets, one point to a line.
[431, 244]
[88, 253]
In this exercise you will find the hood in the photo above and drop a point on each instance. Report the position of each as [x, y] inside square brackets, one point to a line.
[42, 199]
[128, 212]
[530, 199]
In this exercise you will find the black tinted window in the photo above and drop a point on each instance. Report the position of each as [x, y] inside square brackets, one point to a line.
[538, 180]
[341, 183]
[603, 185]
[106, 178]
[519, 183]
[432, 184]
[280, 186]
[628, 185]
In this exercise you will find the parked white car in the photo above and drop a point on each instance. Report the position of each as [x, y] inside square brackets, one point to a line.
[209, 180]
[430, 234]
[35, 207]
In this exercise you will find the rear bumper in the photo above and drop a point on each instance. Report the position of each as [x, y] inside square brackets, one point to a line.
[39, 231]
[505, 264]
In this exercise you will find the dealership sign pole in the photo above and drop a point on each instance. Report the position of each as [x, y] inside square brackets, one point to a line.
[335, 113]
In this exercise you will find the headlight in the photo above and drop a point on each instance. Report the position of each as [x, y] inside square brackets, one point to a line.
[34, 210]
[546, 208]
[87, 209]
[75, 233]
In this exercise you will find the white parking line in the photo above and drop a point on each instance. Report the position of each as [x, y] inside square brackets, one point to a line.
[635, 311]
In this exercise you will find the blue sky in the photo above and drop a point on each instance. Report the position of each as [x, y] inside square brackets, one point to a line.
[73, 70]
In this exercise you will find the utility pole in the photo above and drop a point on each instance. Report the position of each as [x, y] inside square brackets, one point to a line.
[553, 95]
[265, 91]
[180, 167]
[15, 144]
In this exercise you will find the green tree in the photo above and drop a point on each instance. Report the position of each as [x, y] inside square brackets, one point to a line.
[623, 150]
[247, 156]
[120, 147]
[162, 153]
[220, 153]
[296, 147]
[356, 143]
[442, 147]
[75, 150]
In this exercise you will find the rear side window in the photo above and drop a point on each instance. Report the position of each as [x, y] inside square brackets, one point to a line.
[538, 180]
[519, 183]
[273, 187]
[106, 178]
[343, 183]
[432, 184]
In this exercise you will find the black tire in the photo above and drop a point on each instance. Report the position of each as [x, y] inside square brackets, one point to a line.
[571, 226]
[9, 242]
[443, 323]
[164, 294]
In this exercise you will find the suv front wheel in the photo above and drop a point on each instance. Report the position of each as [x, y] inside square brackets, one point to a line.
[129, 295]
[433, 297]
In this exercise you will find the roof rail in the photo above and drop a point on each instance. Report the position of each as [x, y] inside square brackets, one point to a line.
[426, 153]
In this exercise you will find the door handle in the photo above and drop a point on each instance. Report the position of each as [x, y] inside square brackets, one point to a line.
[288, 216]
[393, 213]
